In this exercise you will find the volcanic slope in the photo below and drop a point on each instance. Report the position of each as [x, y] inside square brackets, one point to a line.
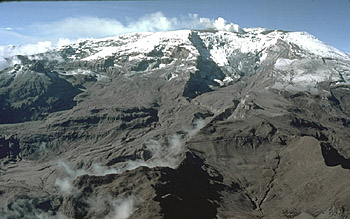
[182, 124]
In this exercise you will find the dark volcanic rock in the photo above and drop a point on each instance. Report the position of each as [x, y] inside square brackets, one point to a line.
[34, 93]
[190, 191]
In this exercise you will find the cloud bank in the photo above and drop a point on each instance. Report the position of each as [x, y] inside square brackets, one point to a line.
[8, 53]
[167, 154]
[155, 154]
[74, 28]
[118, 208]
[42, 37]
[85, 27]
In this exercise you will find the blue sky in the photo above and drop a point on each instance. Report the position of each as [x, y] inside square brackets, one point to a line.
[31, 22]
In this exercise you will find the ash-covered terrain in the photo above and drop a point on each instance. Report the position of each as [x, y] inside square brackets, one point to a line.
[182, 124]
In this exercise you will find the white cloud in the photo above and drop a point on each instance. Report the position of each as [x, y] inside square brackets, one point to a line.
[69, 171]
[69, 30]
[168, 154]
[74, 28]
[82, 27]
[7, 53]
[65, 185]
[153, 22]
[122, 208]
[28, 49]
[197, 125]
[221, 24]
[27, 208]
[117, 208]
[7, 62]
[99, 170]
[94, 27]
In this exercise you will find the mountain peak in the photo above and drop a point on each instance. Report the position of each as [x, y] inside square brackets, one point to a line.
[144, 119]
[234, 53]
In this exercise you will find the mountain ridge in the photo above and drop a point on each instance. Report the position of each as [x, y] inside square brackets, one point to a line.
[135, 123]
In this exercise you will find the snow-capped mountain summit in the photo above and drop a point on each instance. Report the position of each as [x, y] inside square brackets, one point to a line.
[220, 46]
[253, 40]
[198, 124]
[203, 60]
[235, 53]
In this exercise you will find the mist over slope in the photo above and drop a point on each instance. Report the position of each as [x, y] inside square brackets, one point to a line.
[217, 123]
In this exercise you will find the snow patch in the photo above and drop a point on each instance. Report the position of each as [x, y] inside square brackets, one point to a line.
[258, 40]
[162, 65]
[222, 44]
[139, 45]
[313, 45]
[305, 73]
[221, 83]
[282, 64]
[103, 53]
[99, 77]
[227, 79]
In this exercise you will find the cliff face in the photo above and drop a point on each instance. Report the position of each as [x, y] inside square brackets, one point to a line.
[184, 124]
